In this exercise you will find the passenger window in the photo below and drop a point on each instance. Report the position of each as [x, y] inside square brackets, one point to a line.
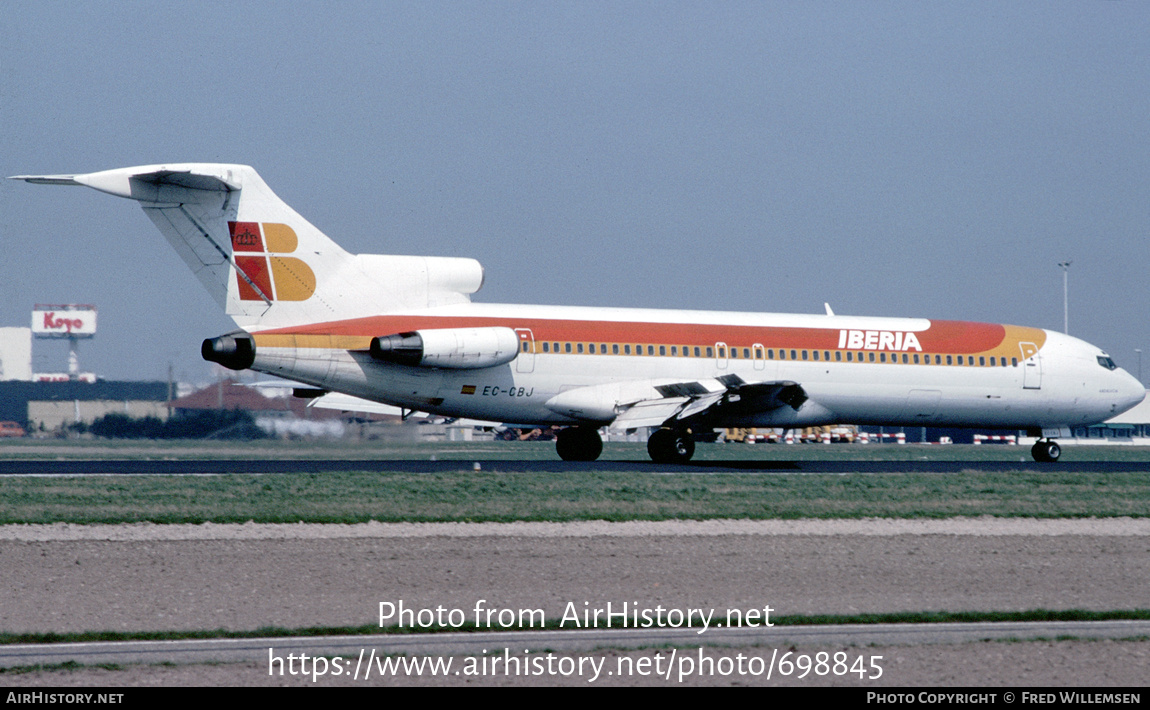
[981, 361]
[816, 353]
[794, 355]
[882, 357]
[993, 361]
[650, 349]
[545, 348]
[959, 359]
[904, 358]
[850, 357]
[626, 349]
[614, 348]
[938, 359]
[662, 349]
[871, 358]
[758, 353]
[734, 353]
[696, 351]
[838, 356]
[1014, 362]
[916, 358]
[746, 353]
[579, 347]
[567, 347]
[710, 351]
[949, 360]
[826, 355]
[804, 354]
[722, 352]
[525, 344]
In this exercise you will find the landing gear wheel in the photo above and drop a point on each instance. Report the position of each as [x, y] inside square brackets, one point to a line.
[1046, 451]
[671, 446]
[578, 443]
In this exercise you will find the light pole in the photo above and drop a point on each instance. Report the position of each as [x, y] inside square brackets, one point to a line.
[1065, 296]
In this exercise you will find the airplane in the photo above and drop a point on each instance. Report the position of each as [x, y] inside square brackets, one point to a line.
[403, 331]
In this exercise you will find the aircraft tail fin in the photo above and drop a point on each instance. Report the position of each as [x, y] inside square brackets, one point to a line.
[263, 263]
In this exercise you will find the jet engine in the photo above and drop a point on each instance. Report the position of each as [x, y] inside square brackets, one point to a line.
[235, 351]
[452, 348]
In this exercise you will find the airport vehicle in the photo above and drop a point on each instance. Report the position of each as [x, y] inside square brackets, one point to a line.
[402, 330]
[11, 429]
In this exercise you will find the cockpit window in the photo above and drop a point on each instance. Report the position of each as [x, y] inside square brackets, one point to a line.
[1106, 362]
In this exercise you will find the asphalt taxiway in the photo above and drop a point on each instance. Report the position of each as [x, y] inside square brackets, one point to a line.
[18, 467]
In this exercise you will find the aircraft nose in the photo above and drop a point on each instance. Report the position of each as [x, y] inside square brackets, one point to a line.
[1130, 392]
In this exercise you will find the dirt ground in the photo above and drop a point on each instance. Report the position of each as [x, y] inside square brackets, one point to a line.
[86, 578]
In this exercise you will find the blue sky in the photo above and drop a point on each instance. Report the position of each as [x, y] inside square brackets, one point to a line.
[892, 158]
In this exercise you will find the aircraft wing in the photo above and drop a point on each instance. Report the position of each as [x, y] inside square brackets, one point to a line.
[728, 395]
[349, 403]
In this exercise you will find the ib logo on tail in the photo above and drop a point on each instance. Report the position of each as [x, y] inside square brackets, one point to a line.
[259, 249]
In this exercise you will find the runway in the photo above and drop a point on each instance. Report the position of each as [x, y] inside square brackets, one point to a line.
[302, 465]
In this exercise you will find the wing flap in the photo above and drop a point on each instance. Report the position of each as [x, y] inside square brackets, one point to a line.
[684, 403]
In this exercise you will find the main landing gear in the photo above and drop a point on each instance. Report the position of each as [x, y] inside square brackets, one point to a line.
[671, 446]
[583, 443]
[1046, 451]
[578, 443]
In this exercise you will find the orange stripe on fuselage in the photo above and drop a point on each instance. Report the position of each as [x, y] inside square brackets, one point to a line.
[952, 337]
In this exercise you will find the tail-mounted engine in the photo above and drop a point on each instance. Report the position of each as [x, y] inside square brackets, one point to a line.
[235, 351]
[452, 348]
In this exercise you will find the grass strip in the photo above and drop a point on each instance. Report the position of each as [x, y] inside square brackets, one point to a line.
[467, 496]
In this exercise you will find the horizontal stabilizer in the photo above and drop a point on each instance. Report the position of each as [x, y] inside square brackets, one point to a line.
[47, 179]
[147, 183]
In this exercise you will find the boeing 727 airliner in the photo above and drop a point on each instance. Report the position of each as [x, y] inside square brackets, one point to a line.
[402, 330]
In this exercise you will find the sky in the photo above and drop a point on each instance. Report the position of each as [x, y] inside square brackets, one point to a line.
[932, 160]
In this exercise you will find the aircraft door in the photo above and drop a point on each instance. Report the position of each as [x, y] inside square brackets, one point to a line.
[721, 356]
[525, 360]
[1031, 366]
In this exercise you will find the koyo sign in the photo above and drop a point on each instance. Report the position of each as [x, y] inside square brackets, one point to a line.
[67, 321]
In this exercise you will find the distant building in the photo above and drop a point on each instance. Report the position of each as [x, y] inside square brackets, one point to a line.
[15, 354]
[48, 406]
[279, 416]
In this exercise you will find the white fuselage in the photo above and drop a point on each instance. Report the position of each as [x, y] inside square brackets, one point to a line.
[879, 375]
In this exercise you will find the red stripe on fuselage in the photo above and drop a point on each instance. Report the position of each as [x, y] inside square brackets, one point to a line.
[941, 336]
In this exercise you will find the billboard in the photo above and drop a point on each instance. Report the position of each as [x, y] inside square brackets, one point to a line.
[67, 321]
[63, 377]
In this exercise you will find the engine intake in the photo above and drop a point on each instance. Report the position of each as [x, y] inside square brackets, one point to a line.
[451, 348]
